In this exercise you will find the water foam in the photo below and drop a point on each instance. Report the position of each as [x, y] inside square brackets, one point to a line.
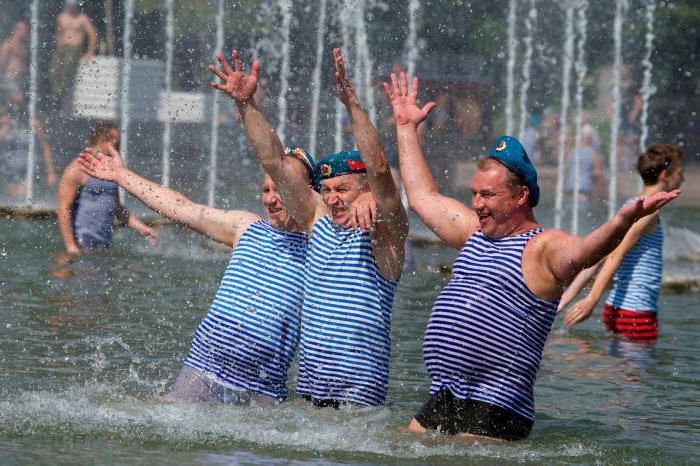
[98, 409]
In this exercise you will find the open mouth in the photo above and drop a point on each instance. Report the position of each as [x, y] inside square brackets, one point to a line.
[483, 216]
[274, 210]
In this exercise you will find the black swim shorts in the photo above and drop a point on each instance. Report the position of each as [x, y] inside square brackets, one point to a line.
[448, 414]
[325, 403]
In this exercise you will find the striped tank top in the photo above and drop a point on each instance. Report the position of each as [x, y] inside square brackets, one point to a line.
[94, 210]
[637, 282]
[248, 338]
[487, 330]
[346, 319]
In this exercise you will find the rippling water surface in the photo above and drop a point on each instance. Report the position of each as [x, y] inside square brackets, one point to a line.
[86, 351]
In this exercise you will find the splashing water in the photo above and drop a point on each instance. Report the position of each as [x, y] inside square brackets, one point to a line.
[411, 46]
[648, 89]
[343, 16]
[286, 13]
[316, 81]
[681, 243]
[581, 69]
[510, 67]
[125, 83]
[214, 143]
[530, 21]
[620, 11]
[364, 56]
[167, 127]
[567, 59]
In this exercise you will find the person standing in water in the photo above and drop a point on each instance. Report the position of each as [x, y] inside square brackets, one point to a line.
[351, 275]
[72, 28]
[14, 148]
[636, 265]
[242, 350]
[486, 333]
[88, 206]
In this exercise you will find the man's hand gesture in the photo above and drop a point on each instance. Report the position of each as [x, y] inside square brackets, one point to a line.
[239, 86]
[406, 111]
[343, 88]
[644, 206]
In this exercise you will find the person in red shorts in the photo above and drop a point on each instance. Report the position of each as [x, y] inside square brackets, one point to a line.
[635, 266]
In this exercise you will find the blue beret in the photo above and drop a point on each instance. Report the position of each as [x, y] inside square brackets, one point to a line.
[341, 163]
[511, 153]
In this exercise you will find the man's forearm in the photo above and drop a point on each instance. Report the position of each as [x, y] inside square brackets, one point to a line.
[367, 140]
[415, 172]
[165, 201]
[602, 241]
[262, 137]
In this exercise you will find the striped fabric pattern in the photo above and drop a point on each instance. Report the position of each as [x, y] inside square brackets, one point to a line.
[487, 330]
[637, 282]
[248, 338]
[346, 319]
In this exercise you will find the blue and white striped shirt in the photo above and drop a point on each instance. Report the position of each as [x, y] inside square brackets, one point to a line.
[637, 282]
[487, 330]
[346, 319]
[249, 336]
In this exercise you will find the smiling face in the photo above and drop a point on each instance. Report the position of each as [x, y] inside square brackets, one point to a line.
[499, 205]
[339, 192]
[276, 213]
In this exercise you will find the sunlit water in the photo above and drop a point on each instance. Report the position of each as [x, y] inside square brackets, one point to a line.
[85, 353]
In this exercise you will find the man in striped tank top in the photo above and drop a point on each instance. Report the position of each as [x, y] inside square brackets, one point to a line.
[635, 266]
[242, 350]
[351, 275]
[488, 326]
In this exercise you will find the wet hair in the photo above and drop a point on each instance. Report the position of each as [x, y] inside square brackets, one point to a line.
[513, 180]
[102, 132]
[657, 158]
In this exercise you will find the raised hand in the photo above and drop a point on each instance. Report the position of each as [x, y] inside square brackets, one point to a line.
[99, 165]
[343, 88]
[239, 86]
[644, 206]
[404, 103]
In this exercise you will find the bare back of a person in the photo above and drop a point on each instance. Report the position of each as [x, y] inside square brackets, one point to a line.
[70, 29]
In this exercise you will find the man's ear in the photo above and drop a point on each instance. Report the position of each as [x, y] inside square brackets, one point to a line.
[523, 195]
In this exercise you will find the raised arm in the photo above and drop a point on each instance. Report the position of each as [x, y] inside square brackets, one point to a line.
[452, 221]
[584, 308]
[222, 226]
[67, 192]
[392, 226]
[303, 203]
[566, 255]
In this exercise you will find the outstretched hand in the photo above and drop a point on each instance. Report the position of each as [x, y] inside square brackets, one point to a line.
[404, 103]
[239, 86]
[579, 312]
[644, 206]
[99, 165]
[343, 88]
